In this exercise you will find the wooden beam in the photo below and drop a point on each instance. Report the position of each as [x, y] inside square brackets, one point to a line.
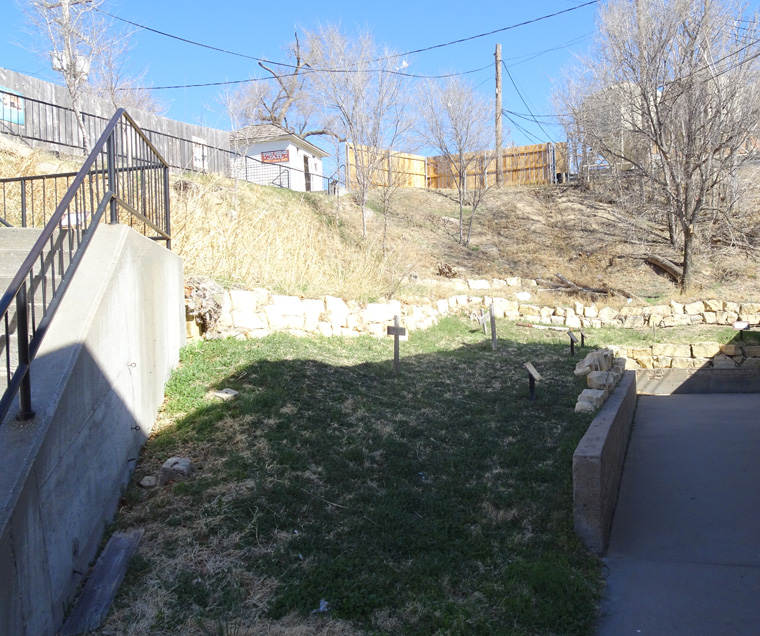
[100, 589]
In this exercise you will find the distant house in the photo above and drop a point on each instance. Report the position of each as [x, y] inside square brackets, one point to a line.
[269, 154]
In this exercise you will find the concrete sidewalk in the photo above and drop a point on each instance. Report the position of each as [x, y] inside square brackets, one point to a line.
[684, 555]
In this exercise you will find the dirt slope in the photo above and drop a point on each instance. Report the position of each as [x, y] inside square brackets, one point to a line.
[540, 232]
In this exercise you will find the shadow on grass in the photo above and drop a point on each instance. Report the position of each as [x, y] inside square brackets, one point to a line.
[438, 500]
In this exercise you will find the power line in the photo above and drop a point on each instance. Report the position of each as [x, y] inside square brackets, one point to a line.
[188, 41]
[395, 55]
[284, 64]
[501, 30]
[530, 117]
[511, 79]
[311, 70]
[530, 56]
[521, 129]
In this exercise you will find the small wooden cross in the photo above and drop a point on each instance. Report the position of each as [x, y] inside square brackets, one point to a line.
[492, 312]
[396, 331]
[483, 321]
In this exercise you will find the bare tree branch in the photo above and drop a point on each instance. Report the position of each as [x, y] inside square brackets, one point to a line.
[670, 91]
[456, 120]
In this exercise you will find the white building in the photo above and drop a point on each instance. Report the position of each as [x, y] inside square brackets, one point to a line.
[269, 154]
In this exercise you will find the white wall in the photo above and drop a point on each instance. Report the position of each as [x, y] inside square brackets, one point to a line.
[263, 175]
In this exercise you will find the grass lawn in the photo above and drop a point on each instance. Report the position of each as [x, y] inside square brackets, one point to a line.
[437, 501]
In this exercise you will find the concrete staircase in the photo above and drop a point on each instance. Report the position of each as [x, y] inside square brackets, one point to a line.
[15, 245]
[97, 383]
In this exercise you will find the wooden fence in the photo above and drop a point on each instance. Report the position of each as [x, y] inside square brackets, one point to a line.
[386, 167]
[538, 164]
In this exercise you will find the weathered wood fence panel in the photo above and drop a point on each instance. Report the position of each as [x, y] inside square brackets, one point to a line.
[523, 165]
[385, 167]
[538, 164]
[41, 114]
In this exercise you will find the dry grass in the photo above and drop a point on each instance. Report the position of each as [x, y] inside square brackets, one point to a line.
[311, 244]
[285, 241]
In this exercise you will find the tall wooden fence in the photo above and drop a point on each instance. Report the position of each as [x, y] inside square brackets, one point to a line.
[539, 164]
[385, 167]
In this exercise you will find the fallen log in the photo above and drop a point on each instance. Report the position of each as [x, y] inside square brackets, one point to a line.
[667, 266]
[569, 287]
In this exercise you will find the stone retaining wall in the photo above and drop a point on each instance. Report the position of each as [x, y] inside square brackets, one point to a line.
[603, 372]
[697, 355]
[257, 313]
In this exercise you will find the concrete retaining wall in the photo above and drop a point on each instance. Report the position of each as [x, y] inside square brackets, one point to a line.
[700, 381]
[97, 384]
[598, 465]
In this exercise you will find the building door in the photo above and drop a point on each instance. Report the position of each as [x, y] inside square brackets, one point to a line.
[306, 173]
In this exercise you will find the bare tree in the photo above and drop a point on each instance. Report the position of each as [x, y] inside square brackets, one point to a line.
[281, 97]
[111, 79]
[670, 91]
[74, 35]
[361, 89]
[456, 121]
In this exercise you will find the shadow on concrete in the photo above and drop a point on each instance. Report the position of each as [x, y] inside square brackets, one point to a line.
[62, 474]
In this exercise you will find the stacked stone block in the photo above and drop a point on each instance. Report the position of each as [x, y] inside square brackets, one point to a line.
[697, 355]
[603, 371]
[257, 313]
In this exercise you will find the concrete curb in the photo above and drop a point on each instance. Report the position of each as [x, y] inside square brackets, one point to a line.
[700, 381]
[598, 465]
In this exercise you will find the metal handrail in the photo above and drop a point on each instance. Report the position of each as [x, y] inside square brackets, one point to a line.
[35, 126]
[123, 173]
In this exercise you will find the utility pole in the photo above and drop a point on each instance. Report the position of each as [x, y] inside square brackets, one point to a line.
[499, 154]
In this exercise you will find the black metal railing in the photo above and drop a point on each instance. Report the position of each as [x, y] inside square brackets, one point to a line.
[124, 179]
[29, 201]
[255, 171]
[46, 123]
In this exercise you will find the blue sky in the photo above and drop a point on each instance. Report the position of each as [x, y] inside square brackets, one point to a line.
[262, 29]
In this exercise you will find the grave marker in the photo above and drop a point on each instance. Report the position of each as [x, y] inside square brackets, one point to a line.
[533, 377]
[741, 326]
[492, 312]
[396, 331]
[573, 341]
[482, 321]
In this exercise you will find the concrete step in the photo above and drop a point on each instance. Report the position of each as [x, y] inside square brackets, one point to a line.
[15, 245]
[10, 261]
[18, 238]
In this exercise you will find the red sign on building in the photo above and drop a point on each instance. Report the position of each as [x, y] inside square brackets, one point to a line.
[275, 156]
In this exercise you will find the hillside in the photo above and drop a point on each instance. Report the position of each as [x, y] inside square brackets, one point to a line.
[311, 244]
[584, 235]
